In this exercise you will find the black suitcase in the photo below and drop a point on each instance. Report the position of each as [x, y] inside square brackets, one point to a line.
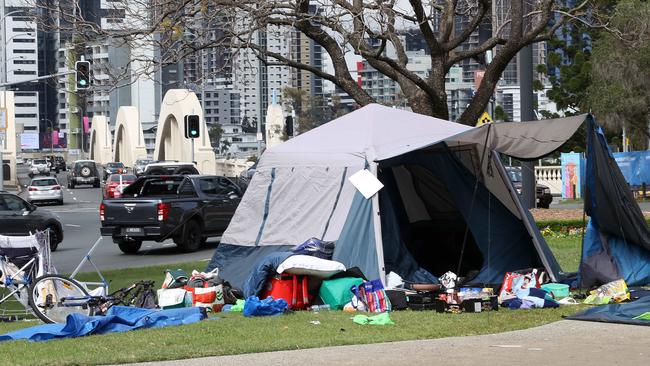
[421, 298]
[397, 299]
[420, 307]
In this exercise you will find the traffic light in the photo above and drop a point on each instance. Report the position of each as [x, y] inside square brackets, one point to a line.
[288, 125]
[192, 126]
[82, 75]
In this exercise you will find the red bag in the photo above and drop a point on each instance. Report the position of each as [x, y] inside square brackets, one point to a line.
[293, 289]
[207, 296]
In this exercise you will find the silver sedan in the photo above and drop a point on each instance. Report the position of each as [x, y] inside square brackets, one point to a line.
[44, 190]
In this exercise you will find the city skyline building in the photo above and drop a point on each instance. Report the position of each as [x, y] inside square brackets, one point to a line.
[27, 54]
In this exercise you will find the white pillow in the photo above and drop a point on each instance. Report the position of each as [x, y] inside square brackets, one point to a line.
[311, 266]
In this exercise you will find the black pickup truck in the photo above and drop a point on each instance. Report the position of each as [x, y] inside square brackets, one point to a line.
[185, 208]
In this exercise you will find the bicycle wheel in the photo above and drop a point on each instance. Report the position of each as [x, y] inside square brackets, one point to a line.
[54, 297]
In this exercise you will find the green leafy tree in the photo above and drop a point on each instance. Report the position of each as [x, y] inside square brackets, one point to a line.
[374, 30]
[572, 61]
[311, 112]
[215, 132]
[619, 95]
[500, 114]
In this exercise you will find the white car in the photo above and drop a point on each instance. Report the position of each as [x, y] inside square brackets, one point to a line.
[45, 190]
[39, 166]
[140, 165]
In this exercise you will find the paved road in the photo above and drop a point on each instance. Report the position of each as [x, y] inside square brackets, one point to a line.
[561, 343]
[80, 218]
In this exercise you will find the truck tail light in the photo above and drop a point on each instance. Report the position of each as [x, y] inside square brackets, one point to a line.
[163, 211]
[102, 208]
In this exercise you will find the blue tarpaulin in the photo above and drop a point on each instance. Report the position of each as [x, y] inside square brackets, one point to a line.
[635, 166]
[617, 313]
[117, 319]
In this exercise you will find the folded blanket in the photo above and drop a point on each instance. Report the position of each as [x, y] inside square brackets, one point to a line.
[117, 319]
[316, 248]
[530, 298]
[264, 268]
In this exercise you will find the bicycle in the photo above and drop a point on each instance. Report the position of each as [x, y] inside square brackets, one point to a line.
[54, 297]
[47, 294]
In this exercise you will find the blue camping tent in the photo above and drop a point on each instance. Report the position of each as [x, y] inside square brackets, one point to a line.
[617, 240]
[447, 201]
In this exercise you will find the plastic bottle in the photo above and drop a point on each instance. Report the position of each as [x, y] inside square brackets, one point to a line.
[325, 307]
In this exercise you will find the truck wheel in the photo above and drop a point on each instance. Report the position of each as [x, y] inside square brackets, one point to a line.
[191, 238]
[128, 246]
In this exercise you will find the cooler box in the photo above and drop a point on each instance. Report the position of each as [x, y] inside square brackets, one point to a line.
[294, 289]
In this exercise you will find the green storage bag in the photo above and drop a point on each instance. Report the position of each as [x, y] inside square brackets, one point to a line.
[336, 293]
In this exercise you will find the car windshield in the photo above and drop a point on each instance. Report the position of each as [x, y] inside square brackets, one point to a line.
[125, 177]
[115, 165]
[143, 162]
[44, 182]
[39, 161]
[515, 175]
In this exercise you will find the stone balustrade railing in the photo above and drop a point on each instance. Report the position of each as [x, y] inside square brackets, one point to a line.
[550, 176]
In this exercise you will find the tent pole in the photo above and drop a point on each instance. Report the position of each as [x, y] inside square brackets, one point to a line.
[376, 219]
[524, 218]
[471, 206]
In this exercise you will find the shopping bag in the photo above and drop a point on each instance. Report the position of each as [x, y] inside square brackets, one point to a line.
[173, 298]
[372, 295]
[336, 292]
[175, 278]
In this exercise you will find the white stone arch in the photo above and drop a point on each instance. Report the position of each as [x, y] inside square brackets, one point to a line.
[171, 143]
[101, 145]
[129, 138]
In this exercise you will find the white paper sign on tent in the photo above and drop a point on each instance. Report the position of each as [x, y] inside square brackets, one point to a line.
[366, 183]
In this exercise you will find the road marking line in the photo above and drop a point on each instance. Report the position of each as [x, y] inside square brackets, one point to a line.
[74, 198]
[168, 245]
[77, 210]
[72, 225]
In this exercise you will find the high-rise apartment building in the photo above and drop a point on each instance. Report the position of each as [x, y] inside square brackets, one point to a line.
[306, 51]
[27, 54]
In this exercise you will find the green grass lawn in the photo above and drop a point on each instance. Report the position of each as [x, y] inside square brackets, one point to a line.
[233, 334]
[566, 251]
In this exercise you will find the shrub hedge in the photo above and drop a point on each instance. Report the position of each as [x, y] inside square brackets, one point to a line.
[565, 225]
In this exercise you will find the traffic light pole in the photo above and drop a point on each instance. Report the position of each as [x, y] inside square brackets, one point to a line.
[4, 96]
[37, 79]
[193, 151]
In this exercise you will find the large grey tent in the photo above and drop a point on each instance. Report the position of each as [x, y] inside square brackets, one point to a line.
[447, 203]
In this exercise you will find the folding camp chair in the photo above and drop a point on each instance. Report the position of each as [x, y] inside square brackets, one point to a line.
[53, 297]
[22, 260]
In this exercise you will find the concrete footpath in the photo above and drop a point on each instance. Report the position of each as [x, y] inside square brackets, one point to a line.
[561, 343]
